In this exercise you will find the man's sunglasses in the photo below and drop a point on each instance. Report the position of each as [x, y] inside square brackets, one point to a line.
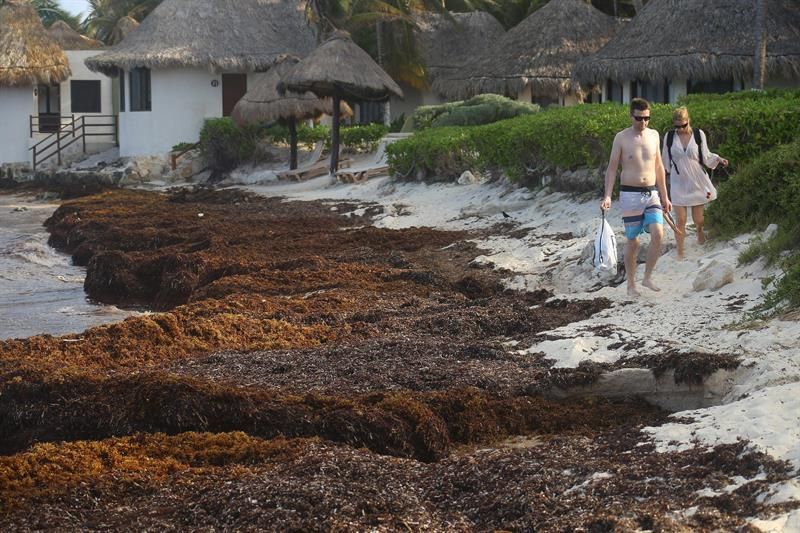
[640, 119]
[680, 126]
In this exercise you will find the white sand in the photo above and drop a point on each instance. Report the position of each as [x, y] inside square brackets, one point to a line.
[763, 405]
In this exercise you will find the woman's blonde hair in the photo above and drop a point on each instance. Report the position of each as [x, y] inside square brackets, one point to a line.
[680, 113]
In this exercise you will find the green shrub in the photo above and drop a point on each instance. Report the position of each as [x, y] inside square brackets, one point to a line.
[766, 191]
[359, 138]
[225, 145]
[362, 138]
[481, 109]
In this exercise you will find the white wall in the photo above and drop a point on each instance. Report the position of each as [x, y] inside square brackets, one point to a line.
[16, 106]
[81, 72]
[181, 100]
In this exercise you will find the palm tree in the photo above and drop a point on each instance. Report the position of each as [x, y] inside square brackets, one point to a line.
[104, 15]
[50, 12]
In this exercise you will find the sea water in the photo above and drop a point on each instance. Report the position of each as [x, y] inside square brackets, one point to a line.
[41, 291]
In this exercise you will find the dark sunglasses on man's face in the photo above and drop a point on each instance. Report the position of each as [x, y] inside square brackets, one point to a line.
[680, 126]
[640, 119]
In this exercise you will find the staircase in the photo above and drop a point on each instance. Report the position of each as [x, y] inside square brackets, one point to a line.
[68, 132]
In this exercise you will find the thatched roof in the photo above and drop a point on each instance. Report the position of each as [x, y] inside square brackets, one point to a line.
[69, 39]
[712, 39]
[447, 44]
[540, 52]
[340, 66]
[219, 35]
[28, 55]
[123, 28]
[263, 103]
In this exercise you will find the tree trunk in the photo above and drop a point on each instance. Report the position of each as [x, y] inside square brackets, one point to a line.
[337, 98]
[293, 143]
[760, 59]
[387, 112]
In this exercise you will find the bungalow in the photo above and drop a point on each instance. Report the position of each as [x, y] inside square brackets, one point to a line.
[533, 61]
[674, 47]
[194, 59]
[29, 57]
[446, 44]
[84, 94]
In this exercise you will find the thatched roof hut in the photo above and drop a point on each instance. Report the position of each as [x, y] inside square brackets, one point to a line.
[28, 54]
[70, 39]
[123, 28]
[687, 39]
[340, 66]
[263, 103]
[219, 35]
[448, 43]
[539, 52]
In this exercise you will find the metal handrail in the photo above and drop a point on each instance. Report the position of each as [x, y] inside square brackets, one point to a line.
[75, 125]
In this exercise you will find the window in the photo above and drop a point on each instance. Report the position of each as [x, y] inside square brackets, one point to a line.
[613, 92]
[712, 86]
[85, 96]
[140, 89]
[122, 90]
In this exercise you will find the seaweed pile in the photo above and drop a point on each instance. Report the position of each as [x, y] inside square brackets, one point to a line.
[302, 370]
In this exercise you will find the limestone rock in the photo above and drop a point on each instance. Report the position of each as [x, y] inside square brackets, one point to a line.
[714, 275]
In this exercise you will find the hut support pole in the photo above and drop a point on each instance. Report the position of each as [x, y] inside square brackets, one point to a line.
[337, 99]
[292, 143]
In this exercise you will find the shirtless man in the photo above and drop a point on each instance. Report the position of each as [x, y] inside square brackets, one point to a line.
[643, 191]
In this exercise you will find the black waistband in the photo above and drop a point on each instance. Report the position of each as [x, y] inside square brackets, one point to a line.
[631, 188]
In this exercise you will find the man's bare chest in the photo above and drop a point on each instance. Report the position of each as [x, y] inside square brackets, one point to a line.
[640, 149]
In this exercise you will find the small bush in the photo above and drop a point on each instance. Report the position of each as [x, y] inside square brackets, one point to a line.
[225, 145]
[362, 138]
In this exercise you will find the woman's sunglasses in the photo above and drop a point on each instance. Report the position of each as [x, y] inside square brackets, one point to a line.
[680, 126]
[640, 119]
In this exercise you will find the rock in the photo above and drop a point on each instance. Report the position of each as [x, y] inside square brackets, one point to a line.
[713, 276]
[771, 230]
[467, 178]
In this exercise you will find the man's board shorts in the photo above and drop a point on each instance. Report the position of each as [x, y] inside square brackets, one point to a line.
[641, 207]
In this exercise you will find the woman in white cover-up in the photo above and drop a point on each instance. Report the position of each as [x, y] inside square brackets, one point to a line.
[690, 185]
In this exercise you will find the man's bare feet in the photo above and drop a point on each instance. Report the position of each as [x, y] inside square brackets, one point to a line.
[632, 292]
[681, 256]
[647, 282]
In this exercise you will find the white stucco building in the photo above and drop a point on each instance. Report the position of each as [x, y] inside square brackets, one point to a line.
[28, 57]
[191, 60]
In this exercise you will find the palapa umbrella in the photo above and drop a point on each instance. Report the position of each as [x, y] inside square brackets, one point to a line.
[263, 103]
[339, 69]
[28, 54]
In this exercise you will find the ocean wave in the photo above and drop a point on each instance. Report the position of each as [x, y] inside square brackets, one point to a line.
[35, 250]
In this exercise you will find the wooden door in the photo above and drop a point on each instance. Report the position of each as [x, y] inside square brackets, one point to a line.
[234, 86]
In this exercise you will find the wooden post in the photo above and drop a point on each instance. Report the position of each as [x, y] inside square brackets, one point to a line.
[337, 98]
[293, 143]
[83, 132]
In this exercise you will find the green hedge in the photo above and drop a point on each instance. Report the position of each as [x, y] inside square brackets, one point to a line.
[739, 126]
